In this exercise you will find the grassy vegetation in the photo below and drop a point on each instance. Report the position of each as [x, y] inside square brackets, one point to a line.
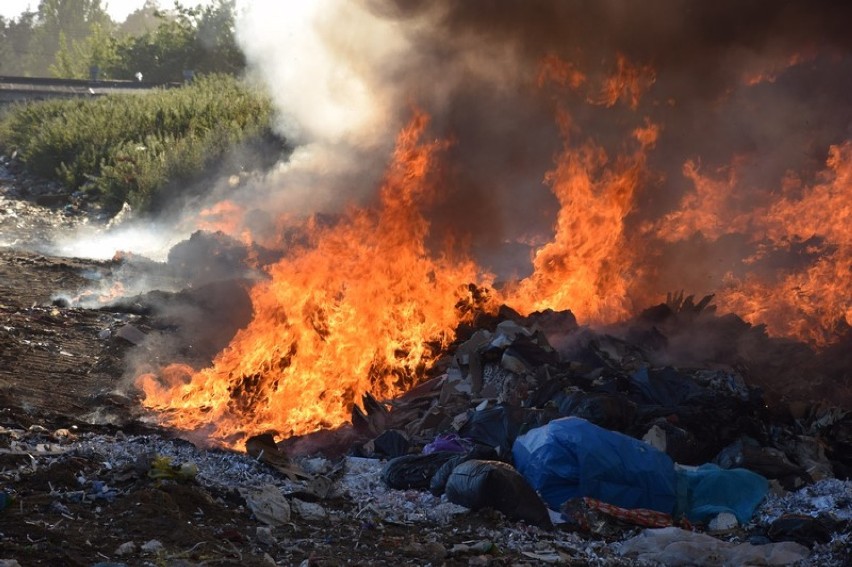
[140, 149]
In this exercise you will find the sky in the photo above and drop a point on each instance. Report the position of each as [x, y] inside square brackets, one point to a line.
[117, 9]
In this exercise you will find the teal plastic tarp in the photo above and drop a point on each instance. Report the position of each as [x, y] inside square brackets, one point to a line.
[708, 490]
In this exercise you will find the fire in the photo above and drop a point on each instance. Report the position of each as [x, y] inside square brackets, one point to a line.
[771, 73]
[627, 84]
[226, 217]
[595, 266]
[812, 302]
[588, 265]
[361, 305]
[556, 71]
[807, 299]
[705, 210]
[361, 310]
[106, 293]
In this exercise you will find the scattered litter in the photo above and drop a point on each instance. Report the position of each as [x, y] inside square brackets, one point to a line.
[151, 547]
[268, 504]
[162, 468]
[131, 334]
[308, 511]
[126, 548]
[264, 449]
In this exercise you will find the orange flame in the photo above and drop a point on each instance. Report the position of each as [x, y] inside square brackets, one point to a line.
[770, 73]
[811, 302]
[627, 84]
[358, 312]
[224, 216]
[364, 307]
[104, 295]
[708, 210]
[588, 265]
[556, 71]
[806, 302]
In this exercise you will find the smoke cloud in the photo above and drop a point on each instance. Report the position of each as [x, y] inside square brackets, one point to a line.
[618, 150]
[759, 83]
[748, 97]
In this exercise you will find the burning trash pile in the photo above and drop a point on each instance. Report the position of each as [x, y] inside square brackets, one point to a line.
[477, 323]
[593, 438]
[584, 174]
[649, 433]
[536, 440]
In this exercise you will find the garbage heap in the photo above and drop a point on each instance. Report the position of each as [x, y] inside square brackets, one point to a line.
[595, 431]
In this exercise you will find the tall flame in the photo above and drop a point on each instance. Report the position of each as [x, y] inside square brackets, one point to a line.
[357, 311]
[811, 302]
[707, 210]
[589, 264]
[363, 306]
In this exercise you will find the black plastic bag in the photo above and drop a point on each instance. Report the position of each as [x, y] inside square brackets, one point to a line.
[493, 427]
[442, 475]
[439, 480]
[414, 471]
[800, 528]
[767, 461]
[610, 411]
[391, 443]
[478, 484]
[664, 387]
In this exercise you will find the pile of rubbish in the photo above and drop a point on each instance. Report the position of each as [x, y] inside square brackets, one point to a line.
[593, 437]
[535, 440]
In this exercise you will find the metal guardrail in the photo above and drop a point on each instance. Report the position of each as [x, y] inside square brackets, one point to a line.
[34, 88]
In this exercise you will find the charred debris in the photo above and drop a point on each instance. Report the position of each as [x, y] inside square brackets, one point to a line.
[695, 388]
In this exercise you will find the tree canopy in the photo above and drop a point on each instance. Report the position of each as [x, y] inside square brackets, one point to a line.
[67, 38]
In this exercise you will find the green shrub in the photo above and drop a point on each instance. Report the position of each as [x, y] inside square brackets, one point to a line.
[136, 147]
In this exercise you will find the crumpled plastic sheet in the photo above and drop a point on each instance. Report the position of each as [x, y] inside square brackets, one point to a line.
[267, 504]
[724, 381]
[675, 547]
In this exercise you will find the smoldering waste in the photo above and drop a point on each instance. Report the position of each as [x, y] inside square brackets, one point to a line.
[436, 475]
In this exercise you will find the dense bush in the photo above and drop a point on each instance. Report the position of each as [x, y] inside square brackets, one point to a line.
[135, 147]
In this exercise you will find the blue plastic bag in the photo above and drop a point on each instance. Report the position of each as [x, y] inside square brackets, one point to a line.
[570, 458]
[708, 490]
